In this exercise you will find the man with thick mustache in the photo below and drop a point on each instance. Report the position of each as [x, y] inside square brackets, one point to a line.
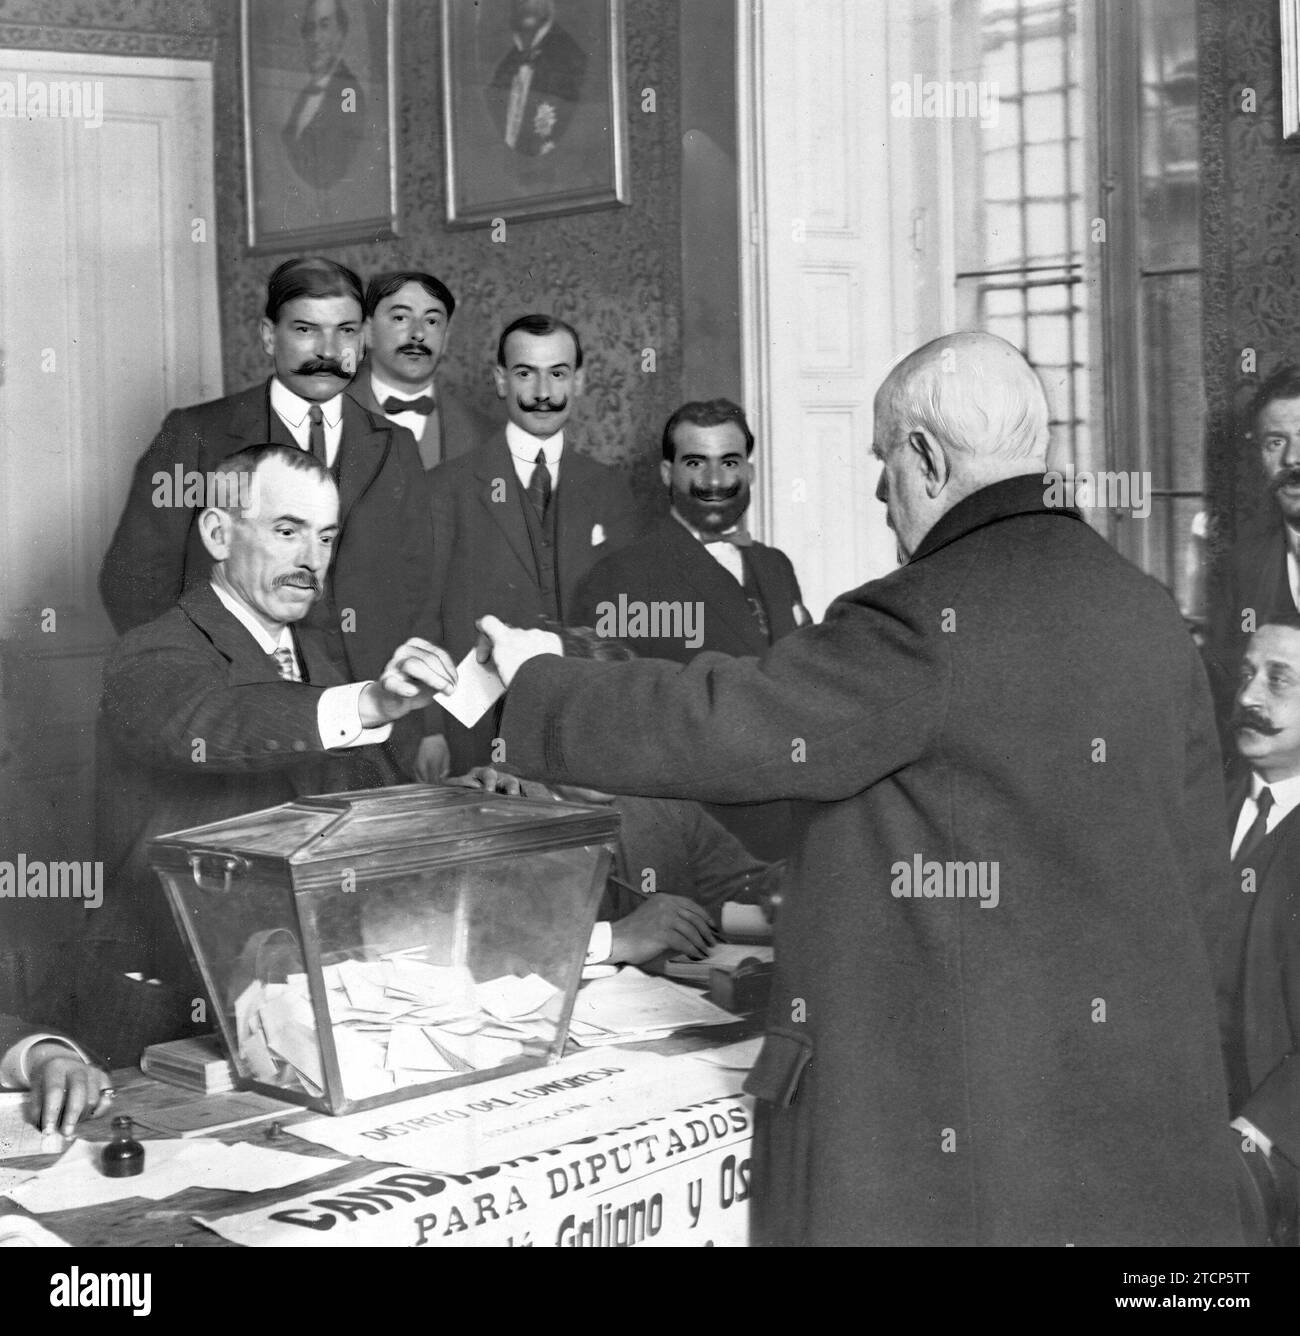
[1259, 956]
[378, 585]
[229, 702]
[518, 521]
[701, 555]
[1260, 577]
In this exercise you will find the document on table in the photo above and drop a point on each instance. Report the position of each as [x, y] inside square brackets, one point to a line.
[170, 1167]
[17, 1134]
[633, 1006]
[513, 1116]
[21, 1231]
[478, 688]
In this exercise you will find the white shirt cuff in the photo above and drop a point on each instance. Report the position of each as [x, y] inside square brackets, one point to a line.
[600, 944]
[13, 1065]
[1247, 1128]
[338, 717]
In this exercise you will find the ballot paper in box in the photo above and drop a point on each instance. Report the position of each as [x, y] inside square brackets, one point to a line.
[361, 948]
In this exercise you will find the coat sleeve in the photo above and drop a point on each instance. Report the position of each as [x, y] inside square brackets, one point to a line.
[1207, 868]
[144, 569]
[826, 712]
[173, 707]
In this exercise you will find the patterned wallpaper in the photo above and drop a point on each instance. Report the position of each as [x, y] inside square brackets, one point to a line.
[614, 273]
[1250, 202]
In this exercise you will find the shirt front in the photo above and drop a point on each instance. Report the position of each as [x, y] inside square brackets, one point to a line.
[315, 96]
[523, 451]
[1286, 797]
[338, 710]
[295, 412]
[415, 423]
[727, 555]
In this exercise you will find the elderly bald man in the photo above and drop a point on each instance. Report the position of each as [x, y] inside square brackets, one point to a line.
[992, 1020]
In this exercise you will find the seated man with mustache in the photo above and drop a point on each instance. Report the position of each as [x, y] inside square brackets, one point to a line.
[378, 587]
[1258, 966]
[228, 703]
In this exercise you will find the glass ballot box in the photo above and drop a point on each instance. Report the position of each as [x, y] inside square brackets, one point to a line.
[360, 948]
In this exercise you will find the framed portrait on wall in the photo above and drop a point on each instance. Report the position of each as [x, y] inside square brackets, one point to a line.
[533, 92]
[320, 115]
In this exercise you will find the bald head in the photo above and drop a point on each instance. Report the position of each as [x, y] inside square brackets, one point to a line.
[964, 411]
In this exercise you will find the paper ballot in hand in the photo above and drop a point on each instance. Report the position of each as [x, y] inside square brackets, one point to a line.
[477, 689]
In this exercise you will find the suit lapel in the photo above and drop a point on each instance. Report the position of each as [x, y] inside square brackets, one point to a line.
[362, 450]
[780, 611]
[496, 465]
[576, 514]
[724, 599]
[251, 422]
[248, 661]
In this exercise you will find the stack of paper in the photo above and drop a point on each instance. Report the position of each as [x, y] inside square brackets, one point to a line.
[633, 1005]
[396, 1021]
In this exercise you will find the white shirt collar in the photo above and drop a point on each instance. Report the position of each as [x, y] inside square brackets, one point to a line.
[1286, 795]
[538, 37]
[294, 409]
[525, 447]
[267, 640]
[694, 532]
[384, 390]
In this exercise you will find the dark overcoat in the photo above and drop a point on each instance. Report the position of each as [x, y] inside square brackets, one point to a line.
[943, 1069]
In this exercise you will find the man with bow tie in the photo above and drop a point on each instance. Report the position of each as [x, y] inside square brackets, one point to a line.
[1258, 974]
[745, 593]
[231, 702]
[518, 521]
[407, 326]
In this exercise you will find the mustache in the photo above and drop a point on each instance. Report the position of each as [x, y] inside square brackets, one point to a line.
[415, 348]
[322, 366]
[300, 580]
[704, 494]
[1288, 477]
[538, 404]
[1253, 720]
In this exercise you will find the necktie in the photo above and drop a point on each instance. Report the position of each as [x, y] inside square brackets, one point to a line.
[285, 665]
[317, 438]
[738, 537]
[519, 87]
[1258, 828]
[539, 485]
[423, 405]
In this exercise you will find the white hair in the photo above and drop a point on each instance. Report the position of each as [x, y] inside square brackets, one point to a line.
[973, 392]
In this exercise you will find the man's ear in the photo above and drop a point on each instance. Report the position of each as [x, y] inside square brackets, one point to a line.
[666, 472]
[267, 330]
[365, 335]
[215, 528]
[499, 380]
[934, 462]
[580, 380]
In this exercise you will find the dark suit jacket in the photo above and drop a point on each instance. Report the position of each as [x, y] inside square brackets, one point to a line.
[196, 674]
[558, 71]
[1261, 965]
[938, 1072]
[322, 154]
[1253, 576]
[382, 555]
[483, 560]
[460, 427]
[667, 564]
